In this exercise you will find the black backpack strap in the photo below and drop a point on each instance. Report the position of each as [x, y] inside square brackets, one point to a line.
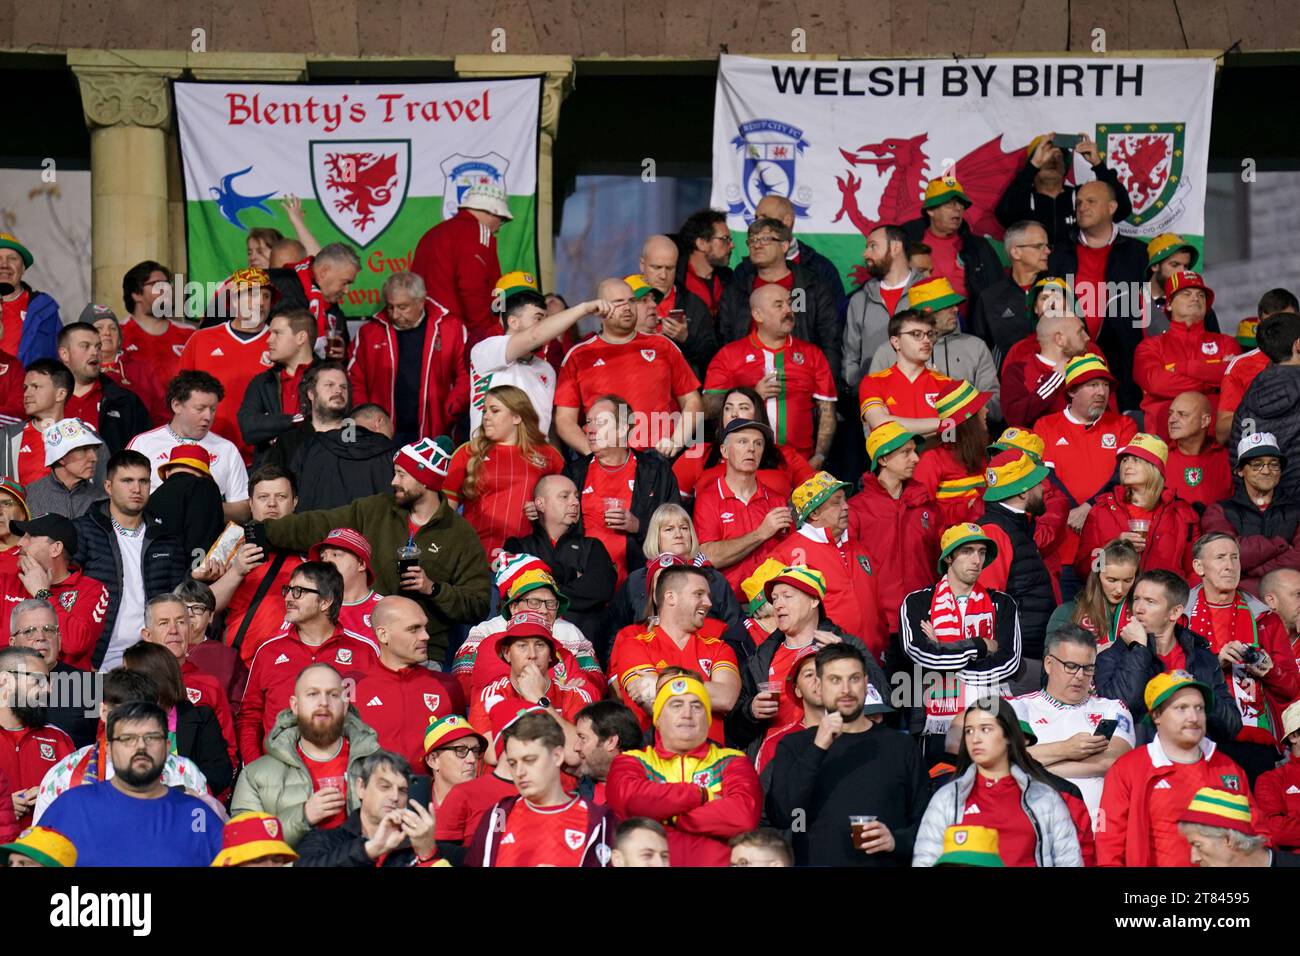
[267, 580]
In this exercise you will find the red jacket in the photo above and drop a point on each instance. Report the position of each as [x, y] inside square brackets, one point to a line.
[8, 823]
[1124, 824]
[398, 705]
[25, 763]
[907, 529]
[1174, 526]
[80, 603]
[275, 670]
[444, 370]
[852, 581]
[11, 390]
[1203, 479]
[457, 259]
[1031, 388]
[203, 690]
[704, 798]
[1278, 794]
[1185, 358]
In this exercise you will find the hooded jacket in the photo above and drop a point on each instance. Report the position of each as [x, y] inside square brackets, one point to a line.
[279, 783]
[337, 466]
[1174, 526]
[1270, 406]
[957, 355]
[1057, 841]
[907, 529]
[978, 257]
[1269, 539]
[866, 326]
[41, 327]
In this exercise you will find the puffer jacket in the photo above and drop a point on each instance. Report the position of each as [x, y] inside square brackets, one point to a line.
[957, 355]
[1058, 840]
[1270, 406]
[278, 782]
[1174, 526]
[1269, 539]
[866, 327]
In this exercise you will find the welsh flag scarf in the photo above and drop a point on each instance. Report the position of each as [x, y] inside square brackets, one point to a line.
[953, 620]
[1119, 616]
[316, 303]
[1247, 691]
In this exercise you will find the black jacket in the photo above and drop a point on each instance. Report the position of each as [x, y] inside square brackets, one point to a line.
[653, 485]
[1121, 330]
[1001, 318]
[261, 414]
[1270, 405]
[122, 415]
[71, 717]
[812, 260]
[742, 728]
[1124, 669]
[345, 845]
[1054, 213]
[190, 508]
[978, 257]
[818, 322]
[198, 739]
[584, 571]
[1028, 580]
[334, 468]
[701, 335]
[879, 772]
[163, 559]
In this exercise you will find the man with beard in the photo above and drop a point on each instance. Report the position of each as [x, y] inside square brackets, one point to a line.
[29, 746]
[311, 752]
[33, 624]
[134, 819]
[878, 300]
[1149, 788]
[452, 580]
[1013, 498]
[334, 459]
[604, 730]
[400, 695]
[311, 635]
[707, 244]
[849, 765]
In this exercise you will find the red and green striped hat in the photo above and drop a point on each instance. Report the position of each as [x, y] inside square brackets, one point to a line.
[1086, 367]
[1219, 808]
[960, 402]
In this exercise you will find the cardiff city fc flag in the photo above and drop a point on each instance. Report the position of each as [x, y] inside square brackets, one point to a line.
[852, 144]
[374, 166]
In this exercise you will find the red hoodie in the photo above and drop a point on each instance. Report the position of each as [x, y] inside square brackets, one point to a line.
[907, 529]
[444, 369]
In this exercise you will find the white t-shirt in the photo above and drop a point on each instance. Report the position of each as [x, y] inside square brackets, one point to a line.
[228, 469]
[488, 368]
[130, 605]
[1053, 721]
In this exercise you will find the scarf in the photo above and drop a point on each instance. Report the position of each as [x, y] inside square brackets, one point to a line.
[90, 768]
[953, 622]
[1247, 691]
[316, 303]
[1119, 616]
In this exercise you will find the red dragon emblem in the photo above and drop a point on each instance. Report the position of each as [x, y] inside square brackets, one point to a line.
[1146, 159]
[366, 180]
[983, 173]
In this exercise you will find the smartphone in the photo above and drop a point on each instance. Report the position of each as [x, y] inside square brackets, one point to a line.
[1066, 140]
[1106, 728]
[677, 315]
[421, 789]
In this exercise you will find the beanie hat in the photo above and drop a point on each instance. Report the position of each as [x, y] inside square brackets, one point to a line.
[506, 567]
[814, 492]
[1219, 808]
[939, 191]
[966, 533]
[681, 686]
[426, 460]
[1012, 473]
[1147, 447]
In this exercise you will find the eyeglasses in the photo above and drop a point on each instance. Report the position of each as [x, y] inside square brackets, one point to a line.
[539, 604]
[297, 590]
[1034, 245]
[43, 629]
[1264, 464]
[195, 610]
[40, 680]
[725, 240]
[461, 752]
[758, 242]
[1072, 668]
[918, 336]
[150, 740]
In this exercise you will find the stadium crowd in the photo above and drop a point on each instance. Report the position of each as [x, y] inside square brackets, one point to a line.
[991, 558]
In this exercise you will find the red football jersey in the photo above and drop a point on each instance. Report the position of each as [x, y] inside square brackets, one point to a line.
[235, 360]
[504, 482]
[544, 836]
[605, 483]
[161, 354]
[891, 390]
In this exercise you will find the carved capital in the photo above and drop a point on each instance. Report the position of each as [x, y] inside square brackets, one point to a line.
[125, 88]
[555, 87]
[557, 79]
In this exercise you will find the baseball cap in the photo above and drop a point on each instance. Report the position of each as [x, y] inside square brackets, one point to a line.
[52, 526]
[349, 540]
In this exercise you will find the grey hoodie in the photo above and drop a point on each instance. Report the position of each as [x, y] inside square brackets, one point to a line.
[866, 327]
[957, 355]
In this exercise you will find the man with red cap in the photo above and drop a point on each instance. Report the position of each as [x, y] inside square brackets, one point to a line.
[703, 793]
[453, 751]
[683, 636]
[852, 570]
[897, 515]
[348, 551]
[399, 695]
[1186, 357]
[531, 651]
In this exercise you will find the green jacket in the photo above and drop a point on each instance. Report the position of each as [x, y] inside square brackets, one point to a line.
[451, 554]
[278, 782]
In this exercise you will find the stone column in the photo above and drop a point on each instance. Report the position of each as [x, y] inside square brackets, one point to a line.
[557, 82]
[127, 105]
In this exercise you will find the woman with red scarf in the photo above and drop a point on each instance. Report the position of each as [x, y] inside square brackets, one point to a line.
[953, 472]
[1103, 606]
[1143, 512]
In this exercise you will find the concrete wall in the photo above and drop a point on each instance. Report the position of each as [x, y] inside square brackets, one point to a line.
[52, 219]
[1274, 215]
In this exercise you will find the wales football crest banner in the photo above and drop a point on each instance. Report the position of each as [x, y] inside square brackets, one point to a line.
[853, 143]
[375, 166]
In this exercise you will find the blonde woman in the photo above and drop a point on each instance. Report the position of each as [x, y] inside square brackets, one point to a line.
[494, 473]
[1143, 512]
[670, 531]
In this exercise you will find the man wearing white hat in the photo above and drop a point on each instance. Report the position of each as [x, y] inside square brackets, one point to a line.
[72, 453]
[457, 259]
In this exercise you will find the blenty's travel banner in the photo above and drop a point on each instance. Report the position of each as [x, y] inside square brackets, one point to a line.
[374, 166]
[853, 143]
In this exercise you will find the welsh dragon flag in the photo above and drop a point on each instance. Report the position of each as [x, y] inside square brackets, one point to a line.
[375, 167]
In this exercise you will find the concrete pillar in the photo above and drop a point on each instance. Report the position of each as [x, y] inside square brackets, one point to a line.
[557, 82]
[127, 105]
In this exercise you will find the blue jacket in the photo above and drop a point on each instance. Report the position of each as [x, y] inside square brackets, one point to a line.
[41, 328]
